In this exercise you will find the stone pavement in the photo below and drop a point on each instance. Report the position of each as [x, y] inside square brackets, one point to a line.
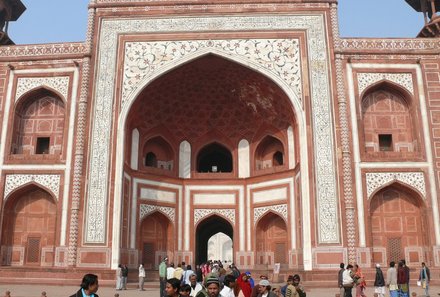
[65, 291]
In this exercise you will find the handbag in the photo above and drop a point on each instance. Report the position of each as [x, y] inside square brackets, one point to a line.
[419, 283]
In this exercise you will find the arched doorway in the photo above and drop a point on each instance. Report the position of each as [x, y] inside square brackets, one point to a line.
[205, 230]
[398, 225]
[156, 239]
[271, 240]
[29, 228]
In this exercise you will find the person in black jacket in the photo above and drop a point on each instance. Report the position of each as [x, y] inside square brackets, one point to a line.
[89, 286]
[379, 282]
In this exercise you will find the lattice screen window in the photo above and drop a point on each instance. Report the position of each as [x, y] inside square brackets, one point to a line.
[33, 250]
[395, 249]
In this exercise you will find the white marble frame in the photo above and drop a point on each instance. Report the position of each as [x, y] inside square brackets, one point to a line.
[313, 24]
[418, 79]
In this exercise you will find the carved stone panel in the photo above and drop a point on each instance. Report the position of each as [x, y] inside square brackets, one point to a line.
[200, 214]
[376, 180]
[402, 79]
[146, 210]
[58, 83]
[280, 209]
[49, 181]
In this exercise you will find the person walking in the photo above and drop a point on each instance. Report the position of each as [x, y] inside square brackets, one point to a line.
[402, 280]
[340, 285]
[424, 278]
[347, 281]
[124, 276]
[379, 282]
[359, 281]
[141, 277]
[119, 277]
[392, 280]
[89, 286]
[163, 277]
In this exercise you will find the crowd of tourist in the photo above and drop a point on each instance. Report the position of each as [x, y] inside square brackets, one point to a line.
[397, 280]
[213, 279]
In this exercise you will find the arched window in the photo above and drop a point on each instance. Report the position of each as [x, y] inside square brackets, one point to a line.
[214, 158]
[38, 124]
[158, 154]
[387, 121]
[269, 153]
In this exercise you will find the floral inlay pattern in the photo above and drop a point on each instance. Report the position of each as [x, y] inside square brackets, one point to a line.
[59, 83]
[375, 180]
[49, 181]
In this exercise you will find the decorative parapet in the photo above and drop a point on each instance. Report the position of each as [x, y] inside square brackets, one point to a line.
[427, 45]
[39, 50]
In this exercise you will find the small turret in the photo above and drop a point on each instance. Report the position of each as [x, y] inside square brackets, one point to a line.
[10, 10]
[429, 8]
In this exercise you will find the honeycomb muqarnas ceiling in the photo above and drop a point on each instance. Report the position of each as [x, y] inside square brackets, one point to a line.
[211, 93]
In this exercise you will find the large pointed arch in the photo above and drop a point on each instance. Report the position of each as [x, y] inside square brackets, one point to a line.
[205, 229]
[29, 227]
[155, 74]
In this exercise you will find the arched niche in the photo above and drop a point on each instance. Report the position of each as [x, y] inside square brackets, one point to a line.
[156, 239]
[38, 124]
[388, 116]
[269, 153]
[158, 153]
[29, 227]
[213, 158]
[271, 241]
[398, 225]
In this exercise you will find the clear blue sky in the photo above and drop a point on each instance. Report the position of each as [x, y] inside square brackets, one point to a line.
[49, 21]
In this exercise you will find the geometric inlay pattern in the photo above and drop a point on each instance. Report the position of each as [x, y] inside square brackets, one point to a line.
[402, 79]
[146, 209]
[199, 214]
[320, 103]
[376, 180]
[280, 209]
[58, 83]
[280, 55]
[49, 181]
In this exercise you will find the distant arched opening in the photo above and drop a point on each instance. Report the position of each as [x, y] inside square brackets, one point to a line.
[214, 158]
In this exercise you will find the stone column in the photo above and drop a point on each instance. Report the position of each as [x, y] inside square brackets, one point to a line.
[345, 144]
[80, 140]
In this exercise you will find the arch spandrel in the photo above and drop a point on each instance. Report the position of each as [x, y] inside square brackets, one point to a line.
[251, 53]
[367, 81]
[260, 212]
[146, 210]
[201, 214]
[48, 182]
[26, 85]
[375, 181]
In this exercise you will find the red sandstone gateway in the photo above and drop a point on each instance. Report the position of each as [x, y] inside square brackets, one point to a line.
[246, 132]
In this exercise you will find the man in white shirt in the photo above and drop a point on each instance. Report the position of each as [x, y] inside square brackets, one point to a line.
[195, 286]
[170, 271]
[228, 289]
[347, 280]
